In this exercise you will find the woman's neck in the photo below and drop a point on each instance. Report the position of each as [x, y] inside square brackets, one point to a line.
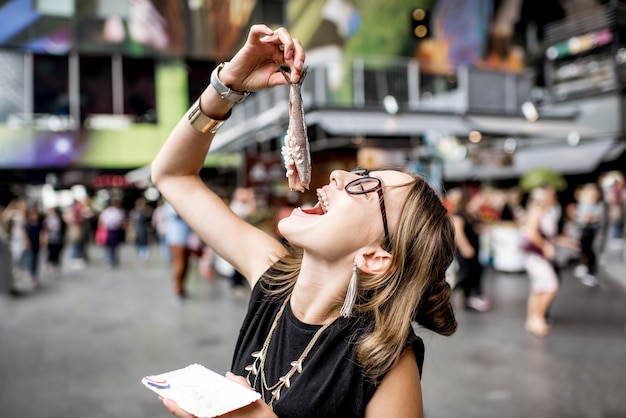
[319, 290]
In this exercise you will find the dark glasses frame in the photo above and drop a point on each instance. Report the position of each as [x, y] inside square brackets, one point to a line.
[356, 187]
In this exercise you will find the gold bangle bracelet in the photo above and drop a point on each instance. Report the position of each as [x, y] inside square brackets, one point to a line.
[201, 122]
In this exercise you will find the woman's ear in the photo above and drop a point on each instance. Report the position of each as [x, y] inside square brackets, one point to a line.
[373, 260]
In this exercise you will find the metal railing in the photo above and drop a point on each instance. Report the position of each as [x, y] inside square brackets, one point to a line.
[371, 83]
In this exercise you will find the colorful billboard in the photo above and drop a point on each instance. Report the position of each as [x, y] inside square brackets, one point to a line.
[175, 32]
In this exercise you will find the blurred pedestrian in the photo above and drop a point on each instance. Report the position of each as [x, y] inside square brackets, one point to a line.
[159, 223]
[513, 210]
[55, 229]
[113, 220]
[613, 191]
[77, 234]
[14, 216]
[88, 225]
[590, 219]
[178, 234]
[140, 218]
[539, 233]
[33, 230]
[470, 270]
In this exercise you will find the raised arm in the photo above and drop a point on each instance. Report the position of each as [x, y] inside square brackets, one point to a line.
[175, 170]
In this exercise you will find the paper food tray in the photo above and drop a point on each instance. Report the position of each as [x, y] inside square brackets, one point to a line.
[201, 391]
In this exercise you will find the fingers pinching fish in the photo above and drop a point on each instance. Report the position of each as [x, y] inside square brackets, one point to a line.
[295, 150]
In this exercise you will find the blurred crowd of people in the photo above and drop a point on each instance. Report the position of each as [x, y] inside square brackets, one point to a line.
[36, 235]
[550, 232]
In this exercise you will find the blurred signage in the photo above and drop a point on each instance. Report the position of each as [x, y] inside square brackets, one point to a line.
[140, 28]
[45, 122]
[579, 44]
[107, 181]
[581, 66]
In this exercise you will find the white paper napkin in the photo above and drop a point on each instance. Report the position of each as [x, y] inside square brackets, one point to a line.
[201, 391]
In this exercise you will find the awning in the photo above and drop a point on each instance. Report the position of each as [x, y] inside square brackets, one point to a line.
[518, 126]
[378, 123]
[237, 131]
[138, 175]
[372, 123]
[561, 158]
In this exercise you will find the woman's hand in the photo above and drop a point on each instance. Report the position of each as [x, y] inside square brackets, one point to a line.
[176, 410]
[255, 66]
[258, 409]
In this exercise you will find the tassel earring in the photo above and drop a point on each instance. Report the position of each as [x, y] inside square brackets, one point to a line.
[348, 303]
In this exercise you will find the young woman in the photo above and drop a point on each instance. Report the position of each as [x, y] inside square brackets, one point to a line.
[329, 326]
[540, 234]
[113, 219]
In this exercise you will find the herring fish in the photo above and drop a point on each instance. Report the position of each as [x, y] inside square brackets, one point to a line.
[295, 151]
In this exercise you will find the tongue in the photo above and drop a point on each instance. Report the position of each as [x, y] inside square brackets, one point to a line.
[315, 210]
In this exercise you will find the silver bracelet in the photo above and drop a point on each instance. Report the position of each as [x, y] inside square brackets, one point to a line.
[225, 91]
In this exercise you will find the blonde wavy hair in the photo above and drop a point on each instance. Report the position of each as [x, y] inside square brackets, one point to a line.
[413, 288]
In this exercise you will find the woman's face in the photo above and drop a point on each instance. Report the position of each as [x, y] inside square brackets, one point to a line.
[341, 223]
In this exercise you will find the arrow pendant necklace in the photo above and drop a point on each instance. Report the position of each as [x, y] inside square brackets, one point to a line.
[257, 368]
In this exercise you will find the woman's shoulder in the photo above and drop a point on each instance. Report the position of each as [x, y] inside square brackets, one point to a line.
[416, 342]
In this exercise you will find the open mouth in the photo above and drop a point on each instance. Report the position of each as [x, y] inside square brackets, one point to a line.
[323, 200]
[322, 205]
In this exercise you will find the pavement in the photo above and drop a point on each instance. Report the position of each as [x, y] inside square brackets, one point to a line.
[80, 345]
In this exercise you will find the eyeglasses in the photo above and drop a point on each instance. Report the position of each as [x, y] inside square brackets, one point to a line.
[366, 184]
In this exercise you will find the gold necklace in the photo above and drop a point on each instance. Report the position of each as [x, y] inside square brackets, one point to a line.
[257, 368]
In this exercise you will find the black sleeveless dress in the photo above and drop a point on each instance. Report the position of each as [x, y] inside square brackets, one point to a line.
[331, 383]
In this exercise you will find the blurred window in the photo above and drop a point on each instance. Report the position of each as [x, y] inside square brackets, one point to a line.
[96, 85]
[139, 89]
[198, 74]
[12, 82]
[51, 84]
